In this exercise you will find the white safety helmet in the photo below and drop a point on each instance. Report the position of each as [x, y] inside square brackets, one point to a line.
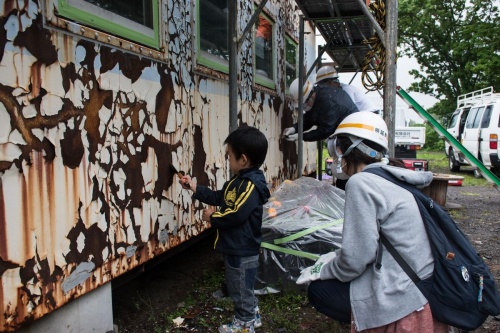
[365, 126]
[294, 91]
[326, 73]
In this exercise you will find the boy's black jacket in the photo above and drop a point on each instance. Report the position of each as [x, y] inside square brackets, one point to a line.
[239, 218]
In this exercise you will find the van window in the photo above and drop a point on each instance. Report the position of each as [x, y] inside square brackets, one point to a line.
[453, 120]
[485, 122]
[477, 119]
[474, 117]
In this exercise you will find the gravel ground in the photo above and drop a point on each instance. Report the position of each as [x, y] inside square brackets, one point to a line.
[137, 304]
[479, 218]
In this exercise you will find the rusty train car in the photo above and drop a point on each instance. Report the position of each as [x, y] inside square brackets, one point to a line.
[97, 100]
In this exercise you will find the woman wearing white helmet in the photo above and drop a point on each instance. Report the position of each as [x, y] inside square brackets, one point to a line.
[324, 107]
[347, 284]
[328, 76]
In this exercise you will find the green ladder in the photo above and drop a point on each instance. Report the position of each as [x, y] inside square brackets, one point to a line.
[485, 172]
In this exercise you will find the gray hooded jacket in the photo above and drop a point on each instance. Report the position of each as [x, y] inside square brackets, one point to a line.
[385, 295]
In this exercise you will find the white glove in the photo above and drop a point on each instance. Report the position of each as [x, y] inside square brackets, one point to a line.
[288, 131]
[292, 137]
[313, 272]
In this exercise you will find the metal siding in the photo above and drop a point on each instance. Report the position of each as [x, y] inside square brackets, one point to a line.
[88, 131]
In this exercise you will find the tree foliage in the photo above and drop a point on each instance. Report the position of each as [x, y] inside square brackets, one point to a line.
[456, 43]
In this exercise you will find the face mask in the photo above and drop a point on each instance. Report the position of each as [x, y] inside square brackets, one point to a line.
[337, 171]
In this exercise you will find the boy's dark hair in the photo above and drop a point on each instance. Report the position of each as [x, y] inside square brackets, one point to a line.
[249, 141]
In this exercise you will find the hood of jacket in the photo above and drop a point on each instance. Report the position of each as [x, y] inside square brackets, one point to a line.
[258, 179]
[420, 179]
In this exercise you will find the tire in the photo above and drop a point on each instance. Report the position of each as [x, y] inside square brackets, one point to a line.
[453, 164]
[496, 171]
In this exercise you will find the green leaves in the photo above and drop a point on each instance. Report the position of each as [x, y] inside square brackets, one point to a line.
[455, 43]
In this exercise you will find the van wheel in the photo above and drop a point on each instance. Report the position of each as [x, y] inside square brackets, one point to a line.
[477, 173]
[496, 171]
[453, 164]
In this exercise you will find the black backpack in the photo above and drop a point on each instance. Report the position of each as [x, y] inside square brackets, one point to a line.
[462, 291]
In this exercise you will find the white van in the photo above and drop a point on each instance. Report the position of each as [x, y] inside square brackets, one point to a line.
[476, 124]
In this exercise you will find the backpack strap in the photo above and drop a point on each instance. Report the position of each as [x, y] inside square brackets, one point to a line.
[392, 250]
[399, 259]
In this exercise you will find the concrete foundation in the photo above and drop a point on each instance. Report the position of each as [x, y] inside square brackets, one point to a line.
[93, 312]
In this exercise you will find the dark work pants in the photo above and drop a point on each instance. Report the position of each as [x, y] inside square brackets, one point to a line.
[331, 298]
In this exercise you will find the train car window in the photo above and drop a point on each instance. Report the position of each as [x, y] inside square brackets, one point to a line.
[136, 20]
[264, 52]
[213, 27]
[291, 60]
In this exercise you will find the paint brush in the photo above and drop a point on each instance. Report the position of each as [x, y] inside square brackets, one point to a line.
[174, 170]
[180, 175]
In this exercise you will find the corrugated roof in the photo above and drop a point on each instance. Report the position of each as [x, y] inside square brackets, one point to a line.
[344, 26]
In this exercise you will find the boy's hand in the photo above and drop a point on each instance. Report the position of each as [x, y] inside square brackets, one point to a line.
[187, 183]
[207, 213]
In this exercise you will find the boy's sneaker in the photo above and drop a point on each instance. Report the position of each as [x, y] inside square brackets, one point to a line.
[258, 321]
[238, 326]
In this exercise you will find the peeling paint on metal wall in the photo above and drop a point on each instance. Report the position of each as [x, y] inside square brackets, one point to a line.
[87, 131]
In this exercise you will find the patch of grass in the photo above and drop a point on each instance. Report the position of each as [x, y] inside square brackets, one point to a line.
[287, 311]
[438, 163]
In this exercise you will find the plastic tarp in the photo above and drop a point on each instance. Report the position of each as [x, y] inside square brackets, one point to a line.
[302, 220]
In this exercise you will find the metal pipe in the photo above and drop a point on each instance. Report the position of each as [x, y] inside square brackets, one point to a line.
[233, 67]
[391, 24]
[316, 62]
[300, 143]
[250, 23]
[319, 146]
[373, 21]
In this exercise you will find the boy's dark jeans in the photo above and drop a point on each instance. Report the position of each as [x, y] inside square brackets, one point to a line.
[240, 280]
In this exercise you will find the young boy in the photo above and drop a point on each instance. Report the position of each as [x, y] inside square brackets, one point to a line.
[238, 221]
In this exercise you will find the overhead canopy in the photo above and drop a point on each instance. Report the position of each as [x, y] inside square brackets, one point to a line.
[344, 25]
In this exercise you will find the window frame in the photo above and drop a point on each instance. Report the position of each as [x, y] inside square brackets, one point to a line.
[453, 120]
[478, 117]
[296, 45]
[259, 79]
[204, 58]
[470, 117]
[485, 121]
[76, 10]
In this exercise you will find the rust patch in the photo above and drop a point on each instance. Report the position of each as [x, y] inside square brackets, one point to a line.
[5, 265]
[277, 105]
[131, 67]
[8, 6]
[199, 158]
[95, 242]
[3, 36]
[69, 75]
[37, 41]
[3, 226]
[72, 149]
[164, 99]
